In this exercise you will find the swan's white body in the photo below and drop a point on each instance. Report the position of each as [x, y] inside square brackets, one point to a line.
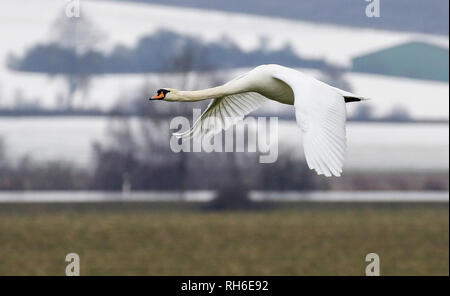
[319, 109]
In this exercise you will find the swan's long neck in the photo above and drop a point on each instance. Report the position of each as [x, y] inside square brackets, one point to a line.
[209, 93]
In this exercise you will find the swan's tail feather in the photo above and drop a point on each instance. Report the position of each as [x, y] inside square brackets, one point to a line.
[349, 99]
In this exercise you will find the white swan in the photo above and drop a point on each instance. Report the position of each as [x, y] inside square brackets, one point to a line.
[319, 110]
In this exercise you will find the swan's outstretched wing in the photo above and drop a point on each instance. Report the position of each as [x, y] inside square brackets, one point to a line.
[224, 112]
[320, 112]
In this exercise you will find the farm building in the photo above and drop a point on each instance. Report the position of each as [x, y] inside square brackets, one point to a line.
[418, 60]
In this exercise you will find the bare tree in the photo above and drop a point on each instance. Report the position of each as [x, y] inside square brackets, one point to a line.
[79, 35]
[2, 153]
[335, 76]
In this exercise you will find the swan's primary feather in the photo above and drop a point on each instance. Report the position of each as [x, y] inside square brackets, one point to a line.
[320, 112]
[222, 113]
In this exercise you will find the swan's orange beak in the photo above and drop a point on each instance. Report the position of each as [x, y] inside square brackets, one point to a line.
[158, 96]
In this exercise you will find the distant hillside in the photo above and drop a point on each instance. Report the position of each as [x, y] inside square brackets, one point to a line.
[150, 55]
[431, 16]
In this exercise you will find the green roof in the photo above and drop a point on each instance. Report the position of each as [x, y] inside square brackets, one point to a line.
[413, 60]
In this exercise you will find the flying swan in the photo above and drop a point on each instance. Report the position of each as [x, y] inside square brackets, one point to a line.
[319, 110]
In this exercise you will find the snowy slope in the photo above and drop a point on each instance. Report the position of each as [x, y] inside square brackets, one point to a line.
[26, 21]
[414, 147]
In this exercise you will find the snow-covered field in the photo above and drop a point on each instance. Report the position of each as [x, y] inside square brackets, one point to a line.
[414, 147]
[26, 22]
[422, 99]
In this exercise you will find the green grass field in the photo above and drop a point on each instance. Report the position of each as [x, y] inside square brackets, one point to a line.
[302, 239]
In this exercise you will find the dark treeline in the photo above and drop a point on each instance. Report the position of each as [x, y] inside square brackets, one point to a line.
[151, 54]
[230, 173]
[151, 165]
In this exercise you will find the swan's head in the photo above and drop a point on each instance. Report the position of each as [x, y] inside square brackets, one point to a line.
[166, 94]
[160, 94]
